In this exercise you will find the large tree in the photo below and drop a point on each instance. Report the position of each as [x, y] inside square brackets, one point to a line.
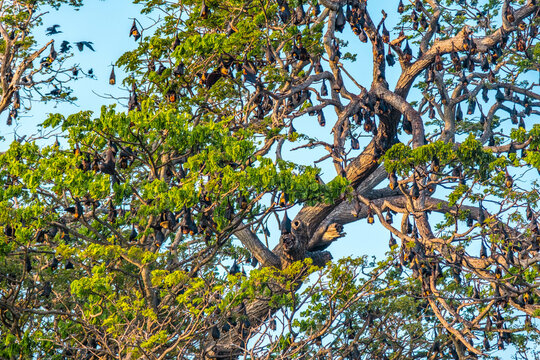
[148, 235]
[31, 70]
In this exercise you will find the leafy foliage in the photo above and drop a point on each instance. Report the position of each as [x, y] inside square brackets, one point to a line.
[147, 233]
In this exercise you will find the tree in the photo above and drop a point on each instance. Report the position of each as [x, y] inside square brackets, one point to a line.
[21, 79]
[133, 241]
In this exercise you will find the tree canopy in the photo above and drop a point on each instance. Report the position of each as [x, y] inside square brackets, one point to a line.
[164, 230]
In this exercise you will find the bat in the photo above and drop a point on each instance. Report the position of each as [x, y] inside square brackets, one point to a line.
[205, 11]
[134, 31]
[401, 7]
[52, 30]
[82, 44]
[112, 77]
[340, 20]
[52, 54]
[385, 34]
[407, 52]
[285, 224]
[64, 47]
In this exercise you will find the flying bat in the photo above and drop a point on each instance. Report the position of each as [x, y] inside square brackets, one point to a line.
[82, 44]
[55, 92]
[52, 30]
[64, 46]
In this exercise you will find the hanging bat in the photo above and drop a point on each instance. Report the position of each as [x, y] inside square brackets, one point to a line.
[134, 31]
[112, 77]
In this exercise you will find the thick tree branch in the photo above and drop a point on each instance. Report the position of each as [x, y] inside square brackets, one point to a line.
[257, 248]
